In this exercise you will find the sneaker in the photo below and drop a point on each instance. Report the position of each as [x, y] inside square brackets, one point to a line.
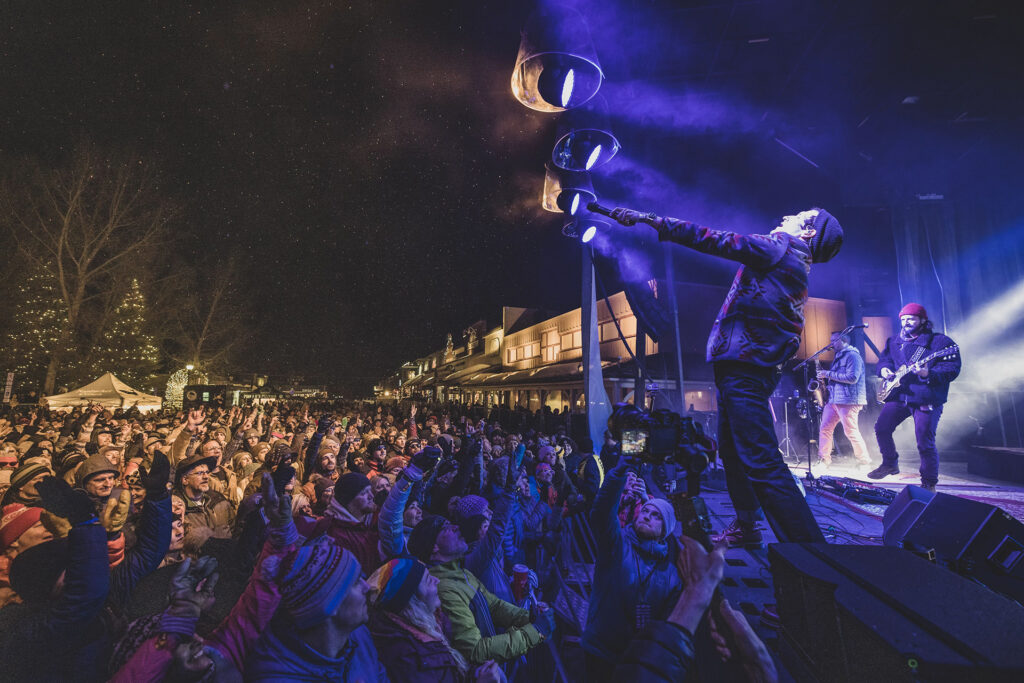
[823, 465]
[741, 534]
[928, 487]
[882, 471]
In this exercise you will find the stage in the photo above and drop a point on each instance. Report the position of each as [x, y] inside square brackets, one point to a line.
[748, 580]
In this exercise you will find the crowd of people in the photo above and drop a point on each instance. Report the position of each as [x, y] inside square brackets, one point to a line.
[346, 542]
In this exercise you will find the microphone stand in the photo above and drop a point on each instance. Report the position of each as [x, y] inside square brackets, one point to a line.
[813, 425]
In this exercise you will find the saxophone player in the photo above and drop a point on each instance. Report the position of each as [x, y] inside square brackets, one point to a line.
[847, 397]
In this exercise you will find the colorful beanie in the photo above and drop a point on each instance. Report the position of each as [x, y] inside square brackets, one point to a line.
[397, 581]
[16, 520]
[914, 309]
[470, 506]
[318, 576]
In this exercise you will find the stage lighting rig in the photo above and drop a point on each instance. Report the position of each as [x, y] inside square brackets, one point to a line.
[584, 138]
[557, 67]
[566, 191]
[584, 228]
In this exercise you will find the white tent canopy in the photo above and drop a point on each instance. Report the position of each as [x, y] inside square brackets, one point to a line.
[107, 391]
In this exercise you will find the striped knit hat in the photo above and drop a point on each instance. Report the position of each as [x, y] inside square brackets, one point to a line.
[397, 581]
[317, 578]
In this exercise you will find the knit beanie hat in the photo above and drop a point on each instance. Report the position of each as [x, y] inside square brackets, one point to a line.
[470, 527]
[424, 537]
[668, 515]
[26, 472]
[96, 464]
[348, 486]
[470, 506]
[321, 485]
[397, 581]
[34, 572]
[828, 239]
[914, 309]
[16, 520]
[317, 577]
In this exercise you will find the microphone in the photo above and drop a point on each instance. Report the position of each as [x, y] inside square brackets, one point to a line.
[862, 325]
[597, 208]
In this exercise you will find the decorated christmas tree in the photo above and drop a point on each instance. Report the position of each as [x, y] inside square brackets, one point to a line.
[34, 332]
[127, 348]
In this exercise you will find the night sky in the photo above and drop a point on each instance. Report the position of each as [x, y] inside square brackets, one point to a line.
[368, 165]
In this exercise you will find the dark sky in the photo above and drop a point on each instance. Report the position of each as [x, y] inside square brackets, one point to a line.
[368, 164]
[359, 157]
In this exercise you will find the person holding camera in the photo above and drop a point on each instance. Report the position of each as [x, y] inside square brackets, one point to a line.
[757, 330]
[635, 577]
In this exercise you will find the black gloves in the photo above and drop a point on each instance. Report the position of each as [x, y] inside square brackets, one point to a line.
[426, 458]
[59, 498]
[155, 479]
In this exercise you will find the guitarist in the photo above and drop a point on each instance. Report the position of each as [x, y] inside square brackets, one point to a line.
[921, 394]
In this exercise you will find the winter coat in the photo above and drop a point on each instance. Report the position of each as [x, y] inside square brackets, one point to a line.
[933, 389]
[279, 655]
[359, 537]
[212, 510]
[661, 653]
[457, 591]
[762, 317]
[485, 557]
[409, 655]
[56, 641]
[390, 526]
[628, 571]
[846, 379]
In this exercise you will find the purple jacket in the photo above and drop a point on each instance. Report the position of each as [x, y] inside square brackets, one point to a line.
[763, 315]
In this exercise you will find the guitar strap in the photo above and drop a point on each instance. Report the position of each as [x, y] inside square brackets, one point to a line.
[917, 355]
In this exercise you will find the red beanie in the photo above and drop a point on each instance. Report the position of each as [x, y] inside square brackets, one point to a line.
[16, 520]
[914, 309]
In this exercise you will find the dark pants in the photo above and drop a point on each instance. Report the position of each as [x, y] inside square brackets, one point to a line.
[755, 473]
[925, 424]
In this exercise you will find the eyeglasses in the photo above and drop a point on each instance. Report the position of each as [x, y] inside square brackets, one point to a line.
[198, 473]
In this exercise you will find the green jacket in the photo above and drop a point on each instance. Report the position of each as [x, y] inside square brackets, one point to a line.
[456, 590]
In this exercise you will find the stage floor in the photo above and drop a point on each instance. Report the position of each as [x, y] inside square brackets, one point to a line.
[748, 580]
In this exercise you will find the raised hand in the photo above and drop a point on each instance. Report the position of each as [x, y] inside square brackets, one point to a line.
[192, 587]
[59, 498]
[196, 416]
[155, 479]
[115, 512]
[627, 217]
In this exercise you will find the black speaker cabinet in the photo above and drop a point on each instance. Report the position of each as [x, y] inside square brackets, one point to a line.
[978, 540]
[872, 613]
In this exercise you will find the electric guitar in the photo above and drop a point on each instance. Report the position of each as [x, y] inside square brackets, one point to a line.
[893, 383]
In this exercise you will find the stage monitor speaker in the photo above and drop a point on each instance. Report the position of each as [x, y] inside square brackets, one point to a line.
[978, 540]
[872, 613]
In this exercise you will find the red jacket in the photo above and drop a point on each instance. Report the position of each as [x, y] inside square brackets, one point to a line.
[359, 537]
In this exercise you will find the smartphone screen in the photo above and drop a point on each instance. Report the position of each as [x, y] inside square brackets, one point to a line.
[634, 441]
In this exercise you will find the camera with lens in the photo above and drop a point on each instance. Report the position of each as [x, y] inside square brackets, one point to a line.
[661, 437]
